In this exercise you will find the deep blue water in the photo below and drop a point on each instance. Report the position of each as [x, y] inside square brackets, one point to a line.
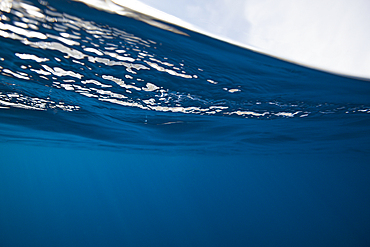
[114, 132]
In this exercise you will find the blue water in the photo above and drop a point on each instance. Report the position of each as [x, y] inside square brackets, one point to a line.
[115, 132]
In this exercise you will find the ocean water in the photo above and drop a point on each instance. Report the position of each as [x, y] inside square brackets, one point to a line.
[120, 130]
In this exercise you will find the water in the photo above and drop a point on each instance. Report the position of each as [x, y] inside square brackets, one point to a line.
[121, 130]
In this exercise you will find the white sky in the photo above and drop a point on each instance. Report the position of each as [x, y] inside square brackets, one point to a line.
[328, 34]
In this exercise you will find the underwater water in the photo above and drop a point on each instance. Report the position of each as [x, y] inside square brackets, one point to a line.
[120, 130]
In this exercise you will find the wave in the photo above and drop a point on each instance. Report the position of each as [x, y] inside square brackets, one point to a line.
[74, 69]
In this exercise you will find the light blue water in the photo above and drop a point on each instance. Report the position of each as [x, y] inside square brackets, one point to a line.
[118, 133]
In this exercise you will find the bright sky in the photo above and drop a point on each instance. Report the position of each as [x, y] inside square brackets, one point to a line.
[332, 35]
